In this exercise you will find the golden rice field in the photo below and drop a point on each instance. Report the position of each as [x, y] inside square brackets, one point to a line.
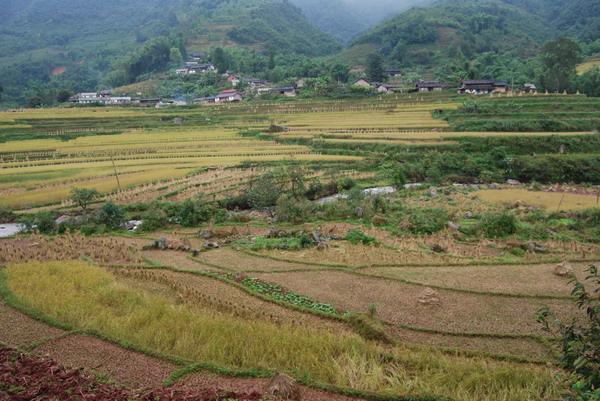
[588, 65]
[551, 201]
[42, 171]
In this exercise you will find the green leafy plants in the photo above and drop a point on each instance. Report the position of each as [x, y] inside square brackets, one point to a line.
[356, 237]
[278, 293]
[494, 225]
[580, 345]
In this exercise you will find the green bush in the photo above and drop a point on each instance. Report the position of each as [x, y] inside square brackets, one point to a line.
[153, 219]
[110, 215]
[356, 237]
[427, 221]
[301, 241]
[7, 215]
[292, 209]
[494, 225]
[43, 222]
[192, 213]
[580, 345]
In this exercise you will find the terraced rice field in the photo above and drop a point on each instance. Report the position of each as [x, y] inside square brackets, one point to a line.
[551, 201]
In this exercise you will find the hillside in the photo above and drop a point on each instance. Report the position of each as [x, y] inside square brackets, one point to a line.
[449, 28]
[42, 41]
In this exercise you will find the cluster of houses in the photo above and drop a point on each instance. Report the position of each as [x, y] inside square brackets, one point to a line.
[106, 98]
[196, 66]
[472, 87]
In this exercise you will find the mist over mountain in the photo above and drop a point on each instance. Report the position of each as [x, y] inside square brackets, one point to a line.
[345, 19]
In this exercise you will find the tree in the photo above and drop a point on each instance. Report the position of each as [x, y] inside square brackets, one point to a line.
[375, 70]
[560, 58]
[111, 215]
[272, 63]
[63, 95]
[175, 56]
[82, 197]
[589, 83]
[35, 102]
[220, 59]
[340, 72]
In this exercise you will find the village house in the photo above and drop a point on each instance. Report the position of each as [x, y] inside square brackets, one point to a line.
[288, 91]
[233, 80]
[119, 100]
[256, 84]
[362, 83]
[430, 86]
[102, 98]
[386, 88]
[225, 96]
[483, 86]
[529, 88]
[193, 67]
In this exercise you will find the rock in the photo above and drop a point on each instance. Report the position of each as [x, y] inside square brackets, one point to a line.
[359, 212]
[453, 226]
[433, 192]
[563, 269]
[211, 245]
[276, 233]
[429, 297]
[283, 387]
[513, 182]
[132, 225]
[321, 246]
[493, 186]
[469, 215]
[62, 219]
[161, 244]
[437, 248]
[536, 247]
[206, 234]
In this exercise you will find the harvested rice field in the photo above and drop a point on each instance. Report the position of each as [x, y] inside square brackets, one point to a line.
[526, 280]
[398, 303]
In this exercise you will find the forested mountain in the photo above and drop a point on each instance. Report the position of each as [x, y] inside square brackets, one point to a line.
[82, 40]
[77, 45]
[451, 29]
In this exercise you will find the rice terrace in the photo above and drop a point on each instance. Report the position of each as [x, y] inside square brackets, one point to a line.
[270, 200]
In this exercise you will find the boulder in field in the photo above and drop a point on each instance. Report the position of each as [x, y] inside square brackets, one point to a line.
[283, 387]
[563, 269]
[429, 297]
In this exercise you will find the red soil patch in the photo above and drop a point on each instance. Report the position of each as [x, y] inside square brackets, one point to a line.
[58, 70]
[24, 377]
[125, 367]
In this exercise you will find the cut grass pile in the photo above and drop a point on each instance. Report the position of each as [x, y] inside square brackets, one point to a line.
[92, 299]
[551, 201]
